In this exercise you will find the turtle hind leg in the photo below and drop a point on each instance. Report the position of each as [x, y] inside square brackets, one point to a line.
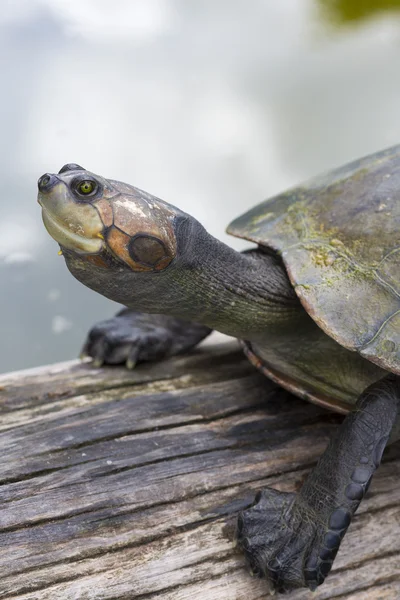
[132, 337]
[293, 539]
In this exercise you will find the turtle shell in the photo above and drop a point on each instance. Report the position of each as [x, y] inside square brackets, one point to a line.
[339, 237]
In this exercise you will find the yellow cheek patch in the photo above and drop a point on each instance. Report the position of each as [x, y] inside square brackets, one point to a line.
[66, 235]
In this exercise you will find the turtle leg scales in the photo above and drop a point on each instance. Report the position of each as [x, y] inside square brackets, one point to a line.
[132, 337]
[292, 539]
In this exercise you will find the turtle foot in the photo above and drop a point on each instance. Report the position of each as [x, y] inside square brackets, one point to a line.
[131, 337]
[285, 542]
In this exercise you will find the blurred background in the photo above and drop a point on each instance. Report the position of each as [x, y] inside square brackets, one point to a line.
[212, 105]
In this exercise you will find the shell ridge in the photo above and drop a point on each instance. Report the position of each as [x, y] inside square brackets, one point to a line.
[386, 285]
[349, 258]
[391, 253]
[383, 325]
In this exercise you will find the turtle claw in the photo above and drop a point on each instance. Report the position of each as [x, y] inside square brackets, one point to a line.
[98, 362]
[130, 364]
[115, 341]
[132, 359]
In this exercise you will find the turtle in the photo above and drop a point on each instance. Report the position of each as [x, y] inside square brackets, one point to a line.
[315, 302]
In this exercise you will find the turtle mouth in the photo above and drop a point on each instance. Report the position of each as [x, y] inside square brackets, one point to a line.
[70, 233]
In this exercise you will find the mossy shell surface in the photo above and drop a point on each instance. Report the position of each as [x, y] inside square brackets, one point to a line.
[339, 237]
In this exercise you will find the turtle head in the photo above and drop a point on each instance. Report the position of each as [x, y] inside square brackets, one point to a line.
[108, 230]
[90, 216]
[148, 255]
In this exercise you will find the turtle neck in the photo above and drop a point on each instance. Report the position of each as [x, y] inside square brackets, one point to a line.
[240, 294]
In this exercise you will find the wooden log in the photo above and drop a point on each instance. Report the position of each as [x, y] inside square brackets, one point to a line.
[126, 485]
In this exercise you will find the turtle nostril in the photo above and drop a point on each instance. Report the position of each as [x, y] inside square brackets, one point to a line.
[46, 182]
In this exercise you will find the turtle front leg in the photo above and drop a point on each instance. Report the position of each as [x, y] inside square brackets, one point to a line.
[293, 539]
[132, 337]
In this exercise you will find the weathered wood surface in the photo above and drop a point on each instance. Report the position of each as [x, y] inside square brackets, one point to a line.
[119, 485]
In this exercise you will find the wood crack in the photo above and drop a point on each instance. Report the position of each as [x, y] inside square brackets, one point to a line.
[137, 500]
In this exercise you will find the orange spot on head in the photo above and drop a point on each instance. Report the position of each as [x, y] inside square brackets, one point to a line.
[119, 244]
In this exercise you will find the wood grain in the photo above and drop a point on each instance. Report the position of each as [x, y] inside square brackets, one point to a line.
[126, 485]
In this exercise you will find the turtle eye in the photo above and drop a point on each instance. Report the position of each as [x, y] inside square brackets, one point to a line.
[86, 187]
[85, 190]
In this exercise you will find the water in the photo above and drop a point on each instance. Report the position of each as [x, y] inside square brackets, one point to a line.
[212, 105]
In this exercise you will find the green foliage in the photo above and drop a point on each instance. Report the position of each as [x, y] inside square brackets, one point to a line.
[342, 12]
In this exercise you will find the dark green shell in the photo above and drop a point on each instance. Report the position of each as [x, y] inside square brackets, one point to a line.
[339, 237]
